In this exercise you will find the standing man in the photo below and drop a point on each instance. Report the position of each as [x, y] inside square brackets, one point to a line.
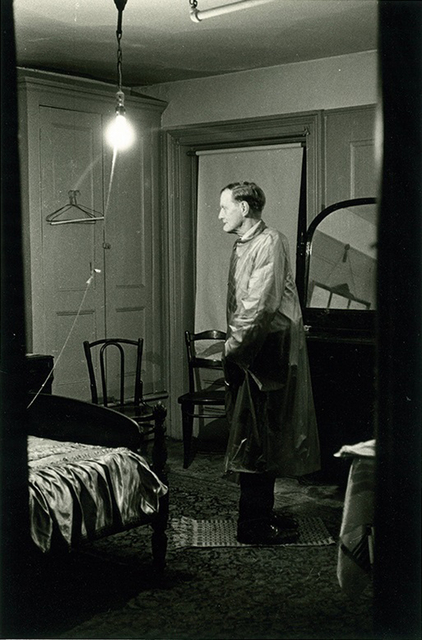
[269, 402]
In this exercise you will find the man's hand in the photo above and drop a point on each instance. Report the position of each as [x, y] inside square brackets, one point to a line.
[233, 374]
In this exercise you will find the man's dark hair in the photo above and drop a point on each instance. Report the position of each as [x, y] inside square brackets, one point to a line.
[249, 192]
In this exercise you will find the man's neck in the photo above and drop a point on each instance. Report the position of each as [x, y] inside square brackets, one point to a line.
[247, 225]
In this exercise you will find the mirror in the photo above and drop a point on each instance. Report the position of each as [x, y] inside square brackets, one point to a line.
[341, 257]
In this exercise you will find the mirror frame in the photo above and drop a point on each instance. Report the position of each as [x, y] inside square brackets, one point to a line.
[340, 322]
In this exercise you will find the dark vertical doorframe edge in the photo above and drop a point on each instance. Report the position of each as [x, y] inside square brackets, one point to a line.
[14, 509]
[397, 568]
[302, 224]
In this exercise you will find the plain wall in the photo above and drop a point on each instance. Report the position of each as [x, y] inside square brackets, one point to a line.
[328, 83]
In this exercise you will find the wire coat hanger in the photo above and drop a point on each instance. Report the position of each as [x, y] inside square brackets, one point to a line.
[90, 215]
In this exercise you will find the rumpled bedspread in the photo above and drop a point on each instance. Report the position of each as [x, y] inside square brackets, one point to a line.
[82, 492]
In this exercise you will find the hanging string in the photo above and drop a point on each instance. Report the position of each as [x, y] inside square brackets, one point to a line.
[88, 284]
[110, 182]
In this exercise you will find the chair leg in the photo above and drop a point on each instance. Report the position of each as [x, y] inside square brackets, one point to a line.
[159, 458]
[143, 449]
[159, 536]
[187, 422]
[159, 449]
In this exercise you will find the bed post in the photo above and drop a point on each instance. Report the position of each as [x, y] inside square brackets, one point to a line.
[159, 459]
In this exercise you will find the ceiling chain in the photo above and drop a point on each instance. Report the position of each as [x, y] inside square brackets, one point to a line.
[119, 60]
[120, 5]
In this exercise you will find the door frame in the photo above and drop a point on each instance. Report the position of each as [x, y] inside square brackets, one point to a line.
[180, 198]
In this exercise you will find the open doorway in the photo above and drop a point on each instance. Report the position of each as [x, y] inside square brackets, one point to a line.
[183, 148]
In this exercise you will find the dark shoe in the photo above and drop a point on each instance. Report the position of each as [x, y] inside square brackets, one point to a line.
[268, 535]
[284, 520]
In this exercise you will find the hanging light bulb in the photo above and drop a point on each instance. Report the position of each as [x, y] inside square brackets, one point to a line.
[120, 134]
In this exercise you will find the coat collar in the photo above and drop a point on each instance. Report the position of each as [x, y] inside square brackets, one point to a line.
[252, 233]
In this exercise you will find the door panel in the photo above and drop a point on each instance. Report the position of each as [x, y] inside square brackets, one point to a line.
[73, 301]
[128, 253]
[350, 154]
[362, 169]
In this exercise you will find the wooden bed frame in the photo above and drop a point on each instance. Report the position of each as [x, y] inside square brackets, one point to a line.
[69, 420]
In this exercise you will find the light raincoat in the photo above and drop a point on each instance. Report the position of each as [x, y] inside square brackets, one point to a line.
[269, 398]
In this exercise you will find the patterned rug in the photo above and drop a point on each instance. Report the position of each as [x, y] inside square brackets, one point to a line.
[188, 532]
[289, 592]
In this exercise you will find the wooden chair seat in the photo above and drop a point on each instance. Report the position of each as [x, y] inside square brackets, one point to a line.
[137, 412]
[204, 398]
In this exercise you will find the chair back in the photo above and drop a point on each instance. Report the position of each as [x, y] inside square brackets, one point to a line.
[204, 350]
[117, 350]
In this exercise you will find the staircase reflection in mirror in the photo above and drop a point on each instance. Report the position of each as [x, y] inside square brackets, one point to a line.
[342, 257]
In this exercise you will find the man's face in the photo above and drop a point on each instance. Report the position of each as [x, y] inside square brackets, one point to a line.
[231, 212]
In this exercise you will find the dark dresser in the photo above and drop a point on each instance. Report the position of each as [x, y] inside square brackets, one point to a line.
[39, 372]
[343, 382]
[337, 266]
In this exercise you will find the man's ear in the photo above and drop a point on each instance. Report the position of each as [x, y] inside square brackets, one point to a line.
[245, 208]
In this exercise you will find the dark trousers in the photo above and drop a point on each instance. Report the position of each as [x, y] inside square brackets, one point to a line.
[256, 501]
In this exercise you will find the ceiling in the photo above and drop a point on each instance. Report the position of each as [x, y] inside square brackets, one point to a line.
[160, 42]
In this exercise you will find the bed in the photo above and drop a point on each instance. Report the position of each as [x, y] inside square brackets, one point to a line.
[89, 476]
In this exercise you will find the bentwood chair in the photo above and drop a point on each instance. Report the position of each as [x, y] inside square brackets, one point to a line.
[205, 398]
[114, 367]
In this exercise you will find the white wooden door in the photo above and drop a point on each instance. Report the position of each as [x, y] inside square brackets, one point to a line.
[70, 299]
